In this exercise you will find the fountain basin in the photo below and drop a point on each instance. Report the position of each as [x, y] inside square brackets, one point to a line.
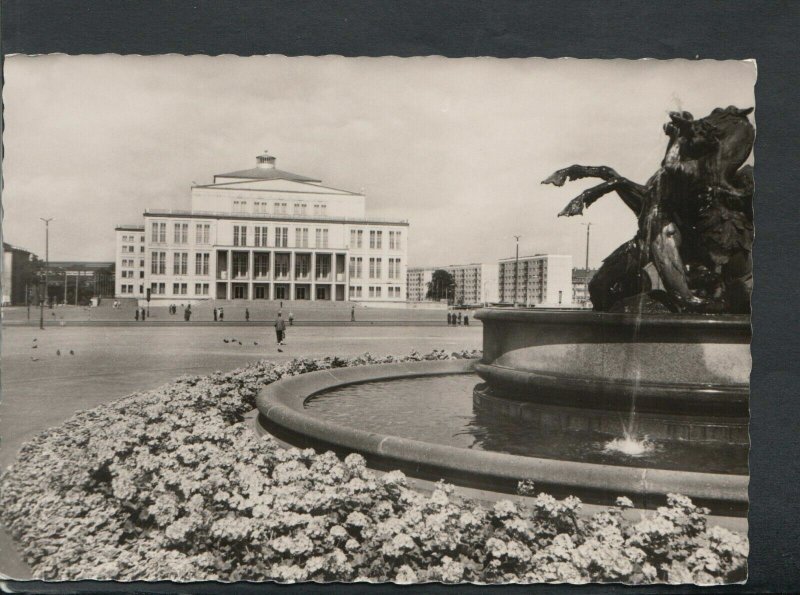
[283, 413]
[687, 364]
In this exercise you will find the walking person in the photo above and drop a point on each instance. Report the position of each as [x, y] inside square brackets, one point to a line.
[247, 314]
[459, 318]
[187, 313]
[215, 314]
[221, 314]
[144, 314]
[466, 320]
[352, 314]
[291, 319]
[137, 315]
[280, 329]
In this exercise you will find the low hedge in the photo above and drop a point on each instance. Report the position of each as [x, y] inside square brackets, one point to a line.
[172, 484]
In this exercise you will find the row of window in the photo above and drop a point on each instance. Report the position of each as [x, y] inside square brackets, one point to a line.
[374, 291]
[180, 233]
[279, 208]
[132, 238]
[127, 249]
[375, 239]
[261, 236]
[130, 262]
[180, 263]
[131, 274]
[375, 268]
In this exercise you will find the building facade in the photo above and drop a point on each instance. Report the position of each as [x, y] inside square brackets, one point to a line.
[475, 283]
[264, 233]
[580, 286]
[20, 278]
[541, 279]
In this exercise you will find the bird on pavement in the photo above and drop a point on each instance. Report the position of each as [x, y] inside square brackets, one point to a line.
[225, 340]
[71, 352]
[35, 347]
[239, 342]
[280, 350]
[255, 342]
[58, 352]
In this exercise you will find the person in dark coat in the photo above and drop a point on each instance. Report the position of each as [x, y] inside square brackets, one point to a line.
[144, 314]
[352, 314]
[280, 329]
[187, 313]
[137, 315]
[291, 319]
[459, 318]
[215, 314]
[466, 320]
[247, 314]
[449, 318]
[221, 314]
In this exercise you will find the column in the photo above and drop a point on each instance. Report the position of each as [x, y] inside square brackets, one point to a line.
[271, 277]
[250, 273]
[228, 287]
[313, 274]
[291, 274]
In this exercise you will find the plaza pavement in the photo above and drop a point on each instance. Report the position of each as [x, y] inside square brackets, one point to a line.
[111, 362]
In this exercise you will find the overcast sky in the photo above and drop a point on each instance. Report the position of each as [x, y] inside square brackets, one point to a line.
[458, 147]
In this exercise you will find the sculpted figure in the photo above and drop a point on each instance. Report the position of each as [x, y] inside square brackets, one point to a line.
[692, 248]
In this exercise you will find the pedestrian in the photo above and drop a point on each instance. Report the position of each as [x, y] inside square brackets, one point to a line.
[280, 329]
[281, 304]
[137, 315]
[247, 314]
[466, 320]
[221, 314]
[291, 319]
[459, 318]
[449, 319]
[215, 314]
[144, 312]
[187, 313]
[352, 314]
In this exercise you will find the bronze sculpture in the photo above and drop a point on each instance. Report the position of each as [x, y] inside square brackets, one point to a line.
[692, 252]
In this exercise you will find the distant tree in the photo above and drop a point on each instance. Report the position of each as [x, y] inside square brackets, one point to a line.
[441, 286]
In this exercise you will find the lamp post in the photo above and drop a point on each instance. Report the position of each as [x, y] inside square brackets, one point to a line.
[46, 268]
[516, 271]
[586, 272]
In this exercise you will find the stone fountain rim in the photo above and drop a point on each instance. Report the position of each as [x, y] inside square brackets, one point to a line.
[739, 322]
[282, 403]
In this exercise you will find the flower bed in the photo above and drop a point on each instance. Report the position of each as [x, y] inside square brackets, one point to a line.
[172, 484]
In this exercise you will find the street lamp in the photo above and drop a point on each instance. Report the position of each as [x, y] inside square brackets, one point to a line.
[516, 271]
[46, 268]
[586, 271]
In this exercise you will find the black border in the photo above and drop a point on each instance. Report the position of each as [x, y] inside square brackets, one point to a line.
[506, 28]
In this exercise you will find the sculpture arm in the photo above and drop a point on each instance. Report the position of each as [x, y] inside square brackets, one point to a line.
[633, 195]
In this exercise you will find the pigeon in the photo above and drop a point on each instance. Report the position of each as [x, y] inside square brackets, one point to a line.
[58, 352]
[239, 342]
[226, 341]
[280, 350]
[35, 339]
[71, 352]
[255, 342]
[35, 347]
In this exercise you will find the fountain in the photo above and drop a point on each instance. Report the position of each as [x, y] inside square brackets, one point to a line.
[645, 395]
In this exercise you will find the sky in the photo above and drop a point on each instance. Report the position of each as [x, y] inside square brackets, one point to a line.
[456, 146]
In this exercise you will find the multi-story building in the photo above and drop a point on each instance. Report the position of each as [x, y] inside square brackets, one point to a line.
[542, 279]
[264, 233]
[475, 283]
[580, 286]
[19, 275]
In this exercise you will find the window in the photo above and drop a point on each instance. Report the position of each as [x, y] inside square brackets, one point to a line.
[261, 235]
[375, 239]
[394, 240]
[394, 268]
[240, 206]
[158, 288]
[300, 208]
[320, 210]
[359, 239]
[281, 237]
[179, 289]
[201, 263]
[321, 238]
[260, 206]
[158, 232]
[301, 237]
[181, 233]
[280, 208]
[158, 263]
[261, 264]
[374, 268]
[202, 231]
[356, 267]
[141, 263]
[301, 266]
[201, 288]
[241, 264]
[180, 262]
[240, 235]
[323, 267]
